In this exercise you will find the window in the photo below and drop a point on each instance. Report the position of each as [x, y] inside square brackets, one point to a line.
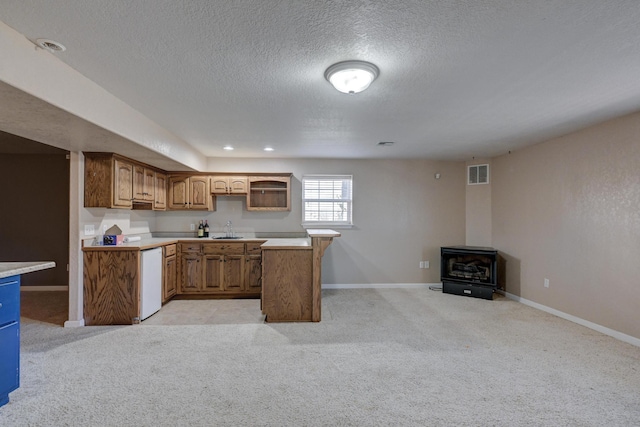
[326, 200]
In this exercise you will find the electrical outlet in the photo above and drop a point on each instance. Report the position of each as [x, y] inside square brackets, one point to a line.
[89, 230]
[426, 264]
[192, 227]
[421, 264]
[546, 282]
[104, 228]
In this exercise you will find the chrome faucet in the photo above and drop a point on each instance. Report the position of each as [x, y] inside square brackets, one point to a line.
[229, 229]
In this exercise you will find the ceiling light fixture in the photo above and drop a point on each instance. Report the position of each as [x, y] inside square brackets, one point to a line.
[351, 76]
[50, 45]
[268, 149]
[228, 148]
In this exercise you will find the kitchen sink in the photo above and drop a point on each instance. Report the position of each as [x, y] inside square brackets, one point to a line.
[227, 238]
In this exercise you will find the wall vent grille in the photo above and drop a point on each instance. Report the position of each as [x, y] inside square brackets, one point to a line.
[478, 174]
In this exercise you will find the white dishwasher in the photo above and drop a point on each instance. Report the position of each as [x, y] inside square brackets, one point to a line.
[150, 282]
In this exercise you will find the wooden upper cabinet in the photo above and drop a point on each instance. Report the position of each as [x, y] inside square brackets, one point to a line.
[229, 184]
[189, 192]
[160, 192]
[113, 181]
[143, 184]
[199, 193]
[108, 181]
[122, 184]
[269, 193]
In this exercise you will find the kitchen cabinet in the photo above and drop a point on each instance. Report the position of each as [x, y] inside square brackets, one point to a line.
[291, 279]
[160, 192]
[189, 192]
[253, 268]
[170, 271]
[9, 336]
[111, 286]
[229, 184]
[269, 193]
[143, 184]
[220, 269]
[108, 181]
[113, 181]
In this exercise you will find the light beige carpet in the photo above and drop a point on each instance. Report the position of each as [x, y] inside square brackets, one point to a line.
[380, 357]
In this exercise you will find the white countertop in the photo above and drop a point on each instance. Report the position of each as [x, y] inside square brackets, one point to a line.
[8, 269]
[277, 242]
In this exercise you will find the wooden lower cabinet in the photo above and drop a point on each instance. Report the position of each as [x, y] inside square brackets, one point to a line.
[111, 287]
[170, 279]
[287, 293]
[220, 269]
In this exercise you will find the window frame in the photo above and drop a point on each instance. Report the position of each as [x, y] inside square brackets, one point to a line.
[328, 224]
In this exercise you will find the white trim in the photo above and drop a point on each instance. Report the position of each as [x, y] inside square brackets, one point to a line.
[74, 323]
[44, 288]
[375, 285]
[599, 328]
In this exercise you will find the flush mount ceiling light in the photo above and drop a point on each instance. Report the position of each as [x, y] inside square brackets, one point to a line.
[228, 148]
[351, 76]
[268, 149]
[50, 45]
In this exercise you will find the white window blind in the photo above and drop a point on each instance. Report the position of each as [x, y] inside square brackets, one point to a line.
[327, 200]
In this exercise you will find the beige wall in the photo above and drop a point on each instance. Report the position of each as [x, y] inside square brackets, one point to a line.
[569, 210]
[402, 215]
[478, 208]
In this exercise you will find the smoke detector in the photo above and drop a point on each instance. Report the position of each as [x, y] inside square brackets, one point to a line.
[50, 45]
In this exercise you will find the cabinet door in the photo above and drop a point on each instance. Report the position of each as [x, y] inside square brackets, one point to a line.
[233, 273]
[219, 185]
[9, 360]
[122, 184]
[138, 182]
[149, 185]
[238, 185]
[253, 273]
[199, 194]
[178, 192]
[190, 273]
[160, 199]
[212, 273]
[169, 286]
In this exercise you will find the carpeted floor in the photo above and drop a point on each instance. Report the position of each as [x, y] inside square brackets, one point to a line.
[380, 357]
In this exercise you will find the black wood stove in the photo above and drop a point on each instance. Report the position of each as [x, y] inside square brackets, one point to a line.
[471, 270]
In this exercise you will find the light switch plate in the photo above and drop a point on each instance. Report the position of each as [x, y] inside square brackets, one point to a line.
[89, 230]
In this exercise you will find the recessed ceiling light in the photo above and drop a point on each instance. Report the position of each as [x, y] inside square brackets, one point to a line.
[351, 76]
[50, 45]
[385, 143]
[228, 148]
[268, 149]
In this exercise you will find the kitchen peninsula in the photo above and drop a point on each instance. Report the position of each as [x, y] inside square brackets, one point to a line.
[10, 322]
[284, 272]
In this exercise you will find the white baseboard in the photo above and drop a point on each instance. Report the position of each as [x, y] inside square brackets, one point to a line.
[44, 288]
[376, 285]
[599, 328]
[74, 323]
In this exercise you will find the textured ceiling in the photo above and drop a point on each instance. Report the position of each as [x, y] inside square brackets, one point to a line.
[458, 78]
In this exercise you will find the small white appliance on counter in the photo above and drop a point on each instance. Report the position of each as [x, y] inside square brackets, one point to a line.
[150, 282]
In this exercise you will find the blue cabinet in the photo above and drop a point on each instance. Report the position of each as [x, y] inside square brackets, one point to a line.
[9, 336]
